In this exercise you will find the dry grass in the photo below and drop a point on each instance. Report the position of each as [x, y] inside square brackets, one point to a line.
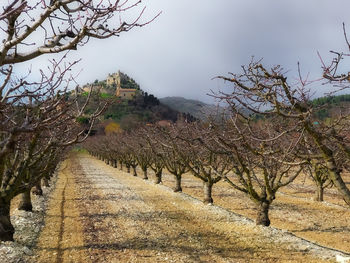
[327, 223]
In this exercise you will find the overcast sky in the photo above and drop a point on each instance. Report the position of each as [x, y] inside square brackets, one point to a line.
[195, 40]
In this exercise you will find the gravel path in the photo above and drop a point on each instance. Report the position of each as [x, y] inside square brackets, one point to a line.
[100, 214]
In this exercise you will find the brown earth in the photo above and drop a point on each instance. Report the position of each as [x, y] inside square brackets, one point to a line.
[326, 223]
[100, 214]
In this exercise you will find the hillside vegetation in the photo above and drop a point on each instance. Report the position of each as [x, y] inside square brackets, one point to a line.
[147, 108]
[330, 106]
[143, 108]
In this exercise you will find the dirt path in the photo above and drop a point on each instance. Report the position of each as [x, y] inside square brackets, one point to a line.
[100, 214]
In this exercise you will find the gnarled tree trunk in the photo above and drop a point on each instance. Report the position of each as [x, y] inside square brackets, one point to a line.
[319, 193]
[158, 177]
[134, 169]
[145, 176]
[45, 182]
[334, 175]
[37, 190]
[208, 186]
[178, 184]
[121, 166]
[128, 168]
[333, 171]
[25, 201]
[6, 228]
[263, 214]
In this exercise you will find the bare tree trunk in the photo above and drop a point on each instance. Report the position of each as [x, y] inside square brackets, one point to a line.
[26, 201]
[263, 214]
[208, 186]
[334, 175]
[178, 184]
[37, 190]
[121, 166]
[134, 169]
[158, 177]
[145, 177]
[115, 163]
[6, 228]
[128, 168]
[319, 193]
[334, 172]
[46, 182]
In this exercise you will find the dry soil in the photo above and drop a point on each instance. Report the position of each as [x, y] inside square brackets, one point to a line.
[101, 214]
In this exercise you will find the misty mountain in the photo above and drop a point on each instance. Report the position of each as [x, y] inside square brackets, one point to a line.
[196, 108]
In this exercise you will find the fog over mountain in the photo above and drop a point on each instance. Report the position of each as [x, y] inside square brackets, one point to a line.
[196, 108]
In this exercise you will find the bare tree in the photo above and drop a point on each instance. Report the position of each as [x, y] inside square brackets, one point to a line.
[266, 92]
[262, 158]
[129, 149]
[39, 117]
[205, 164]
[167, 142]
[315, 167]
[319, 174]
[143, 157]
[60, 25]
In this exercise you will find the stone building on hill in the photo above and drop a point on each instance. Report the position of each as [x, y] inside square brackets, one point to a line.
[113, 79]
[125, 93]
[116, 79]
[118, 84]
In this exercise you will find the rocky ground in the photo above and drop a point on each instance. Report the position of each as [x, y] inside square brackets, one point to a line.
[28, 226]
[97, 213]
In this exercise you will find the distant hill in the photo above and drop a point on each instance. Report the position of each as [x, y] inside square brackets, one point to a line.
[196, 108]
[326, 108]
[331, 106]
[141, 109]
[125, 113]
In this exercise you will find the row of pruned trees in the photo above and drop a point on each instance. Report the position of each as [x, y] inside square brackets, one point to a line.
[268, 137]
[38, 122]
[39, 118]
[253, 158]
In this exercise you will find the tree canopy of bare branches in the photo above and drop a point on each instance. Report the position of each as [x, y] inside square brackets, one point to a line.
[38, 112]
[256, 163]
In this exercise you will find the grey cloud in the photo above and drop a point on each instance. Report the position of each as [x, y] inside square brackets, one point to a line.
[193, 41]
